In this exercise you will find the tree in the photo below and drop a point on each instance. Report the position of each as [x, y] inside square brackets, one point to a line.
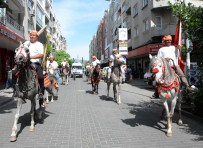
[192, 24]
[60, 55]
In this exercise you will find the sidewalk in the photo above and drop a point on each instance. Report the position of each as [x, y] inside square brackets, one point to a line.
[5, 96]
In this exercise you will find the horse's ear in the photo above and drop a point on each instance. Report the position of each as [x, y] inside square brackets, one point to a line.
[16, 50]
[150, 56]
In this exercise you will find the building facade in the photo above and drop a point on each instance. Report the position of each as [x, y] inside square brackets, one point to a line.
[147, 21]
[17, 19]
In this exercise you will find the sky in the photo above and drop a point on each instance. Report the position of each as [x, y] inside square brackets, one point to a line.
[79, 20]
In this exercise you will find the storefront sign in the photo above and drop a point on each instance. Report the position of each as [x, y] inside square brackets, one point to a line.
[155, 47]
[10, 35]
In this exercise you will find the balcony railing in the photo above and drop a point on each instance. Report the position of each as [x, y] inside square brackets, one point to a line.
[21, 2]
[11, 24]
[166, 29]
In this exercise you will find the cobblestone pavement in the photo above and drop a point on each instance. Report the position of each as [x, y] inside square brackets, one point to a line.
[79, 119]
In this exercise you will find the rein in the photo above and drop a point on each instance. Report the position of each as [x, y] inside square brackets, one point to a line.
[166, 87]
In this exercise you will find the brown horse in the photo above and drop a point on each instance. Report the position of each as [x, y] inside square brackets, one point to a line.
[95, 78]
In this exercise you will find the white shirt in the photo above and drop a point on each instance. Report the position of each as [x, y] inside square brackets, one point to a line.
[35, 48]
[121, 59]
[94, 63]
[169, 52]
[65, 63]
[52, 66]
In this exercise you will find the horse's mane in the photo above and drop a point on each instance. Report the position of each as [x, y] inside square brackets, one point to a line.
[169, 75]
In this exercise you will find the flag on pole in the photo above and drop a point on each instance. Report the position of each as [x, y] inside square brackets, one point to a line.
[42, 33]
[178, 42]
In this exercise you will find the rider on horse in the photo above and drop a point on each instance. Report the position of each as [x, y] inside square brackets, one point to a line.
[117, 61]
[65, 63]
[36, 51]
[171, 54]
[95, 61]
[52, 68]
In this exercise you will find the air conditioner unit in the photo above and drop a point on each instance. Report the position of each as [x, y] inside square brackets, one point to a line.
[32, 13]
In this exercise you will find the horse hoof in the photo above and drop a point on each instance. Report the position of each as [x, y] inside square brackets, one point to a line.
[31, 129]
[13, 139]
[180, 122]
[52, 100]
[169, 134]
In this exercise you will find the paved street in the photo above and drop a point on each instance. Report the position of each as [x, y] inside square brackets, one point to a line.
[80, 119]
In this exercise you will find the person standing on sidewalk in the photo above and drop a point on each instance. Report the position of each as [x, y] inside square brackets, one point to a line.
[9, 83]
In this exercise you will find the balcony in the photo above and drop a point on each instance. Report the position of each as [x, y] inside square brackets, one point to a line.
[11, 24]
[166, 29]
[160, 4]
[19, 3]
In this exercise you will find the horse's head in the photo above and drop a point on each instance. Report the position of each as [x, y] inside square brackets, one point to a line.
[97, 67]
[21, 55]
[156, 66]
[162, 70]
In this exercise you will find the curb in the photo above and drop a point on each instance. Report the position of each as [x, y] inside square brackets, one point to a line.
[185, 113]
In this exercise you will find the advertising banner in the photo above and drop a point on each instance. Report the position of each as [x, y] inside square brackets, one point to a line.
[123, 41]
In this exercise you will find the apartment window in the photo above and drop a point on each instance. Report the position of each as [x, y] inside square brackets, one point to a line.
[30, 25]
[146, 25]
[136, 31]
[144, 3]
[39, 16]
[30, 4]
[159, 22]
[135, 10]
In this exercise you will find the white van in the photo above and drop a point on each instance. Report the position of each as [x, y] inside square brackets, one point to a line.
[78, 69]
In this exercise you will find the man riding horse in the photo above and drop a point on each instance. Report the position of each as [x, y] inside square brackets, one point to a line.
[95, 72]
[52, 68]
[171, 54]
[65, 71]
[36, 51]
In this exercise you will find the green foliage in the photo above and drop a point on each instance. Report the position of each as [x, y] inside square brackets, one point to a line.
[198, 102]
[192, 24]
[60, 55]
[49, 49]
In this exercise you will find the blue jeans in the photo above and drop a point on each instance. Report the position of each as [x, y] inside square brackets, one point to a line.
[9, 83]
[57, 76]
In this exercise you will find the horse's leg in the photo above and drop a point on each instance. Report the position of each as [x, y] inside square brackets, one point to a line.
[169, 131]
[114, 91]
[32, 113]
[119, 97]
[67, 80]
[108, 88]
[14, 128]
[180, 122]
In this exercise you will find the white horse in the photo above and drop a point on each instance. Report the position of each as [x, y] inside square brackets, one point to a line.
[115, 78]
[168, 84]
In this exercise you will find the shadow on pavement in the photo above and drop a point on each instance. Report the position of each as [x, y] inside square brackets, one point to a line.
[89, 92]
[25, 120]
[104, 98]
[7, 108]
[148, 114]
